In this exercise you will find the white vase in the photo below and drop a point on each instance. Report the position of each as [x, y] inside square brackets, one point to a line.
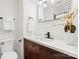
[70, 38]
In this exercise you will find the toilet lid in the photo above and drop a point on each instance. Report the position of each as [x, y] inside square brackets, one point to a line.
[9, 55]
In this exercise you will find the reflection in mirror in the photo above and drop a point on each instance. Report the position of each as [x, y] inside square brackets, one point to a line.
[47, 10]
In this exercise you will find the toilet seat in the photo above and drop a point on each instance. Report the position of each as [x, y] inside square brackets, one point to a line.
[9, 55]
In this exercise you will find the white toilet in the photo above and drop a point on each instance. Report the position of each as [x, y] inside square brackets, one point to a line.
[7, 50]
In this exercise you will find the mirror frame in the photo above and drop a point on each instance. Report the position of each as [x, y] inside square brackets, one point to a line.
[40, 20]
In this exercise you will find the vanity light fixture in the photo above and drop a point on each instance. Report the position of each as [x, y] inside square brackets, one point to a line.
[45, 4]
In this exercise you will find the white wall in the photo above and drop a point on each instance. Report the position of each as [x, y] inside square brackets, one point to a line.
[8, 8]
[12, 8]
[19, 31]
[29, 10]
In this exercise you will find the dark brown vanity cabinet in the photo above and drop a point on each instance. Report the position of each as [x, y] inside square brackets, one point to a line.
[35, 51]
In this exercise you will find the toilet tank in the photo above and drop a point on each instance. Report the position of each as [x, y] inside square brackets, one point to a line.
[7, 45]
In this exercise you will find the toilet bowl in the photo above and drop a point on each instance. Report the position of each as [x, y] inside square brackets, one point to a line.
[7, 49]
[9, 55]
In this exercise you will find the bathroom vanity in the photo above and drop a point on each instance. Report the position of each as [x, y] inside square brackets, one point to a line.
[48, 16]
[35, 50]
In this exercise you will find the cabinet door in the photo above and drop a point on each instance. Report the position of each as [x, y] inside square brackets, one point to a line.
[58, 55]
[46, 53]
[29, 50]
[43, 53]
[61, 56]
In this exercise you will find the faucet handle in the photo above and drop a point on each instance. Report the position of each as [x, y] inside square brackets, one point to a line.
[47, 33]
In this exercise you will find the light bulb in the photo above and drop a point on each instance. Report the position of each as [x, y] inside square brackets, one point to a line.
[45, 5]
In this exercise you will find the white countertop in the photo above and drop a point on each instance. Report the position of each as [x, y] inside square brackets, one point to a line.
[55, 44]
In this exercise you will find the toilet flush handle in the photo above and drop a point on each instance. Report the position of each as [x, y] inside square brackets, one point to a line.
[2, 43]
[20, 40]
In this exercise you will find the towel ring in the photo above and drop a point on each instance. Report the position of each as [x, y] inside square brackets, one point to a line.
[30, 18]
[14, 19]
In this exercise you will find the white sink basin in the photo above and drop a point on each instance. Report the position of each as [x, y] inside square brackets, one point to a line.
[53, 40]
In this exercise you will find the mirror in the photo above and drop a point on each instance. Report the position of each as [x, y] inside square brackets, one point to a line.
[47, 10]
